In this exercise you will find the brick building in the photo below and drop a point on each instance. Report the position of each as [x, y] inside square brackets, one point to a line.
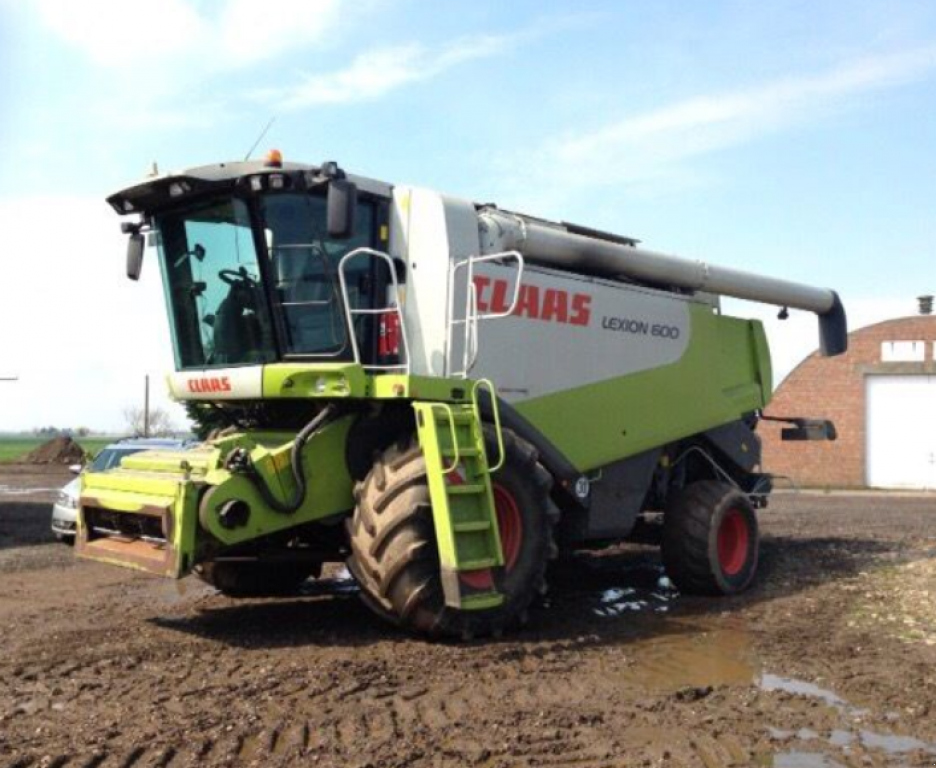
[881, 395]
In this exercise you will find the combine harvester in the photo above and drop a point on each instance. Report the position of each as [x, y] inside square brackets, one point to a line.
[444, 394]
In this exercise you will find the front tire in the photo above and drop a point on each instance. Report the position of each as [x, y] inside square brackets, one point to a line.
[393, 547]
[710, 539]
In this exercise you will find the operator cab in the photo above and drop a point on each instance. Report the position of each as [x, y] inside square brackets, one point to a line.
[250, 257]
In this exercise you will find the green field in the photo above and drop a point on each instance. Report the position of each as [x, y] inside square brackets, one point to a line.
[14, 448]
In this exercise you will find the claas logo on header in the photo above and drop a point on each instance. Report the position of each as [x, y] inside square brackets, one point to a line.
[552, 305]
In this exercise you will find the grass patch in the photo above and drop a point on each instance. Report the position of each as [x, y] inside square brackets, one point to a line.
[14, 448]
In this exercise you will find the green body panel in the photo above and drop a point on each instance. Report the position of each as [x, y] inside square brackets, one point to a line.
[173, 482]
[724, 374]
[329, 486]
[196, 462]
[349, 380]
[432, 388]
[327, 380]
[467, 536]
[764, 365]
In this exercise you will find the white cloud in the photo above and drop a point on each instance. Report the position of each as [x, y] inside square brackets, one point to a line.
[153, 58]
[119, 34]
[250, 31]
[654, 147]
[77, 333]
[375, 73]
[160, 34]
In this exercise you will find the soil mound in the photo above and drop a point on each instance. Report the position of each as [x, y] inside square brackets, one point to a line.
[59, 450]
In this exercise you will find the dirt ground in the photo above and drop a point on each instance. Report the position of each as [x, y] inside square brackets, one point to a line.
[829, 661]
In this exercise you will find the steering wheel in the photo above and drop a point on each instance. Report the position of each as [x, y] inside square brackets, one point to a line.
[236, 277]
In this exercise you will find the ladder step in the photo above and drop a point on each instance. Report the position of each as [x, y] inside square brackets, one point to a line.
[459, 418]
[477, 565]
[481, 601]
[471, 526]
[465, 490]
[466, 453]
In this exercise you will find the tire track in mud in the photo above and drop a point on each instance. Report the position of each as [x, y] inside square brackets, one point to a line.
[525, 719]
[373, 734]
[499, 711]
[377, 730]
[143, 681]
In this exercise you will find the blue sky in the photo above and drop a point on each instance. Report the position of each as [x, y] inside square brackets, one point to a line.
[790, 138]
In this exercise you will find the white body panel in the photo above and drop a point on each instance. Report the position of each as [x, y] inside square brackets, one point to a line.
[901, 431]
[570, 331]
[428, 231]
[218, 384]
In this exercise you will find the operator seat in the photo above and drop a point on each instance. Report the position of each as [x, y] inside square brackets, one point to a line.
[237, 332]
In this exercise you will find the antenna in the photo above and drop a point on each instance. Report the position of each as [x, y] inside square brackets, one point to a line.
[259, 138]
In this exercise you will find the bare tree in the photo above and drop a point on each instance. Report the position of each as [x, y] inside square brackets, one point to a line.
[160, 423]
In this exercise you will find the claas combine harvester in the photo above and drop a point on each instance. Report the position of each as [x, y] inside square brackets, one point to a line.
[443, 394]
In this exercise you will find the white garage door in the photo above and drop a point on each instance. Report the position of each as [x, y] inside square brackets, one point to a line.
[901, 431]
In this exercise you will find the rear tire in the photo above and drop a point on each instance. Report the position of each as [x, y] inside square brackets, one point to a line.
[257, 579]
[393, 547]
[710, 539]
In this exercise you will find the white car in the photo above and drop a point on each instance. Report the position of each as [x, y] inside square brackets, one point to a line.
[65, 509]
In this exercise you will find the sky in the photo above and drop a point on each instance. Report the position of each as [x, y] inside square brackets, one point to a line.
[791, 138]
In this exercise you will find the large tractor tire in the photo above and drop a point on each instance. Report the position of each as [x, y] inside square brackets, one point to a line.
[710, 539]
[257, 579]
[393, 547]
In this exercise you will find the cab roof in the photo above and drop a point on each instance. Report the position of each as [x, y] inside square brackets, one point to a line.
[162, 190]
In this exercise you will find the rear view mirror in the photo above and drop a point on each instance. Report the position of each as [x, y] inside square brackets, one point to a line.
[342, 202]
[75, 469]
[135, 246]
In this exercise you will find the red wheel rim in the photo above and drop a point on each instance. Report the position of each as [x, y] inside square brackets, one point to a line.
[510, 527]
[733, 538]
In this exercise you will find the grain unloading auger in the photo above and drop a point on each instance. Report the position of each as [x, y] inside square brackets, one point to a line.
[445, 395]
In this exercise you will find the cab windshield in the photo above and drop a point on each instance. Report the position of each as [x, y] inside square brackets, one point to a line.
[241, 294]
[217, 309]
[304, 271]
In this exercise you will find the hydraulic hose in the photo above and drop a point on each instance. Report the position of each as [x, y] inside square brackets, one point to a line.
[240, 462]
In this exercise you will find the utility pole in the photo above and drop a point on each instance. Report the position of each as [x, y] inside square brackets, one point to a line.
[146, 408]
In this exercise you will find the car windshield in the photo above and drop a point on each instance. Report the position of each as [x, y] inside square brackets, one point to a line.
[217, 309]
[110, 458]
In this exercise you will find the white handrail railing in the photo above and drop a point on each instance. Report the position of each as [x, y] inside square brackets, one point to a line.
[470, 343]
[397, 308]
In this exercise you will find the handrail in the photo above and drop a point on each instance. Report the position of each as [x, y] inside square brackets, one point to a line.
[470, 343]
[451, 419]
[515, 255]
[495, 410]
[397, 308]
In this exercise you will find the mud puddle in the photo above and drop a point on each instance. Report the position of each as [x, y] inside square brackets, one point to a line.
[769, 682]
[690, 655]
[647, 588]
[691, 658]
[847, 739]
